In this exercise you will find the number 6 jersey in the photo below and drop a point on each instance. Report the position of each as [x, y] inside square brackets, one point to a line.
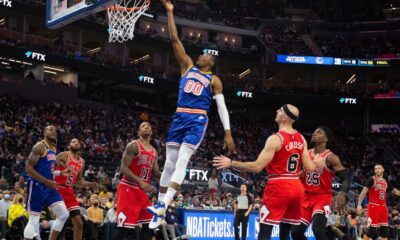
[287, 163]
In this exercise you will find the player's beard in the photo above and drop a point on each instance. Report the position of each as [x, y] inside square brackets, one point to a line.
[75, 150]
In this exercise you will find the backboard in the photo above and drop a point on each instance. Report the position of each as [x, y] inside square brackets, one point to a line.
[62, 12]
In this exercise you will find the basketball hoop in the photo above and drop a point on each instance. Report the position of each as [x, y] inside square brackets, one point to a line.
[122, 18]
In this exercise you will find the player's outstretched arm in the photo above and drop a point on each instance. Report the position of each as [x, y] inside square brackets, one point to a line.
[223, 113]
[361, 199]
[343, 174]
[184, 60]
[80, 181]
[132, 150]
[267, 154]
[33, 159]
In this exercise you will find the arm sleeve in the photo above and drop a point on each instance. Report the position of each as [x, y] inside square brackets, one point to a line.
[343, 175]
[222, 111]
[370, 182]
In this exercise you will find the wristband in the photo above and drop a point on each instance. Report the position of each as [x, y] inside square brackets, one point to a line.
[57, 173]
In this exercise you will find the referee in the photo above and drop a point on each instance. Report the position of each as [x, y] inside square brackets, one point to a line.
[243, 207]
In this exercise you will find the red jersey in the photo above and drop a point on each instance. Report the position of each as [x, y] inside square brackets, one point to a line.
[142, 164]
[377, 190]
[286, 163]
[319, 181]
[76, 166]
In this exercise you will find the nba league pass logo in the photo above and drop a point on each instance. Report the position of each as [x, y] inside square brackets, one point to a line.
[35, 56]
[6, 3]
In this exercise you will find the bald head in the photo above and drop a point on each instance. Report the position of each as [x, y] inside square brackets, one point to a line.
[294, 110]
[287, 114]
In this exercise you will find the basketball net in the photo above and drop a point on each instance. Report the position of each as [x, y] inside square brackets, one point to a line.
[122, 17]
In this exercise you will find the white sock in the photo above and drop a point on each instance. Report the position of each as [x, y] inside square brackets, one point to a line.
[169, 196]
[161, 196]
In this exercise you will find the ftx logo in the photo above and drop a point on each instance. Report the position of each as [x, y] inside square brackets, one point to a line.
[210, 51]
[244, 94]
[197, 174]
[348, 100]
[35, 56]
[146, 79]
[6, 3]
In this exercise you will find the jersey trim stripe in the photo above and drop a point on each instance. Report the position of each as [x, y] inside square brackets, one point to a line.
[187, 70]
[191, 110]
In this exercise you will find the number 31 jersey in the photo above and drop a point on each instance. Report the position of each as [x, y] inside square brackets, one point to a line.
[195, 89]
[287, 162]
[75, 166]
[319, 181]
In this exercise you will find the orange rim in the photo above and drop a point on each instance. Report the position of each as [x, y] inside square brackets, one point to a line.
[127, 9]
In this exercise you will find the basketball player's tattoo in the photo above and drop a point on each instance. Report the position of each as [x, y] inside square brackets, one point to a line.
[33, 159]
[35, 154]
[61, 159]
[131, 150]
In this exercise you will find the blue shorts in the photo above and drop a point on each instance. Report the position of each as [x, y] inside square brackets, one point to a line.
[40, 195]
[187, 129]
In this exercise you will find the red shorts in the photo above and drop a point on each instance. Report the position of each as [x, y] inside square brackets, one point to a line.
[282, 202]
[68, 195]
[315, 203]
[131, 206]
[377, 215]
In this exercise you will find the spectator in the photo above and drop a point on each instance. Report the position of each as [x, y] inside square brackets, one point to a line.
[95, 219]
[101, 174]
[17, 216]
[110, 223]
[352, 220]
[5, 204]
[89, 173]
[213, 184]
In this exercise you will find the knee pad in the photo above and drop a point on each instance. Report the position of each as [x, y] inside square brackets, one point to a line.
[169, 167]
[61, 212]
[384, 231]
[185, 153]
[31, 227]
[372, 232]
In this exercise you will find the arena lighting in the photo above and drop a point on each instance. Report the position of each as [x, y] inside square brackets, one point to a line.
[94, 50]
[2, 22]
[352, 79]
[145, 57]
[5, 63]
[51, 72]
[55, 69]
[245, 73]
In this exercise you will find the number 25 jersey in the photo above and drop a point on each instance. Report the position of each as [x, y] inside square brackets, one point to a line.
[195, 89]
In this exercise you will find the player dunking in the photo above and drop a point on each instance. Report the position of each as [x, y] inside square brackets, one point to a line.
[317, 197]
[71, 160]
[283, 154]
[196, 89]
[41, 188]
[377, 187]
[139, 162]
